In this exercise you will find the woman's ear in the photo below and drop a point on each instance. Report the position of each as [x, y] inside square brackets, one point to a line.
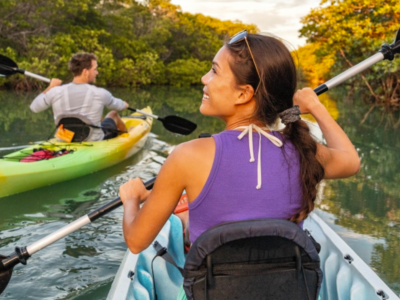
[246, 94]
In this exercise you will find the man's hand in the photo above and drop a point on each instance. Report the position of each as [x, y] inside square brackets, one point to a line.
[54, 82]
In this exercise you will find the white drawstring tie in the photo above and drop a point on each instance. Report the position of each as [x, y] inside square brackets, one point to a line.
[249, 130]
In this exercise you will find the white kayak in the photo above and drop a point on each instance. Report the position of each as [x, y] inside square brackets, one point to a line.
[346, 275]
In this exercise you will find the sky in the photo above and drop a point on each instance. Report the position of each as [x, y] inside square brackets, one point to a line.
[279, 17]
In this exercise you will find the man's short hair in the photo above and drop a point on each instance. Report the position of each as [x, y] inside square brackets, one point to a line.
[80, 61]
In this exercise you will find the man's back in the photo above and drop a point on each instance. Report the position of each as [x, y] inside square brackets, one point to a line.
[78, 99]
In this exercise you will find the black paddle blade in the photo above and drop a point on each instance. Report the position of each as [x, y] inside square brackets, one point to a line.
[5, 276]
[7, 66]
[178, 125]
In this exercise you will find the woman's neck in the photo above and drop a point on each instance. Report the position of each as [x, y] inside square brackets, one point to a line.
[244, 122]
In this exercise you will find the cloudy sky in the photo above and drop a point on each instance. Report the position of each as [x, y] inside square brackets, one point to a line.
[280, 17]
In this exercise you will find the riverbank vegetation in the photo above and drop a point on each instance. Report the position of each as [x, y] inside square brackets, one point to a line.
[342, 33]
[151, 42]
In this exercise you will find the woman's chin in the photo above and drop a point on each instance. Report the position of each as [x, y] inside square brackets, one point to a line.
[203, 109]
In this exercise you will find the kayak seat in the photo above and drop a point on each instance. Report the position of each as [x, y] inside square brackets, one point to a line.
[78, 124]
[255, 259]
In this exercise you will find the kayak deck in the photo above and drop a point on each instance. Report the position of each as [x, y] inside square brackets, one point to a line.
[86, 158]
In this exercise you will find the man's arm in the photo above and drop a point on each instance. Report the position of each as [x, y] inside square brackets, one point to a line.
[39, 103]
[113, 103]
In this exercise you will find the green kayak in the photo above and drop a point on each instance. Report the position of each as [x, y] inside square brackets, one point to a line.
[77, 159]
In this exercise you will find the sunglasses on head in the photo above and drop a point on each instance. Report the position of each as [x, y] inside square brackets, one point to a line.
[240, 36]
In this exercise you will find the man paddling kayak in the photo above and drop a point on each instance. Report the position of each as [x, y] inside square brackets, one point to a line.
[81, 98]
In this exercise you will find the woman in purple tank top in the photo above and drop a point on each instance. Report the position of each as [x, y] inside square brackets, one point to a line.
[249, 170]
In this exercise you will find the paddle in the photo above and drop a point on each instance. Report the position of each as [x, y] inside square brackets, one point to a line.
[22, 254]
[172, 123]
[9, 67]
[386, 52]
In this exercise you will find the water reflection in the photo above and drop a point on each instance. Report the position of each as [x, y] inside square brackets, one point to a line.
[363, 209]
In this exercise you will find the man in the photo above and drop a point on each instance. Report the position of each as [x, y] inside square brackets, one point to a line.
[82, 98]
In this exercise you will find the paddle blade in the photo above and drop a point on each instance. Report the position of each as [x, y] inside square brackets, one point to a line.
[178, 125]
[7, 66]
[5, 276]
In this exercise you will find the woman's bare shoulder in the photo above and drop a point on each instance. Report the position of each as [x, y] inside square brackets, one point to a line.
[194, 149]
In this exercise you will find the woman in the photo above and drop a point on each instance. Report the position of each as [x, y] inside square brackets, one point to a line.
[251, 84]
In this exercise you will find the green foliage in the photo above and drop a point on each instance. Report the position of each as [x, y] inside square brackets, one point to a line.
[350, 31]
[183, 72]
[313, 68]
[136, 44]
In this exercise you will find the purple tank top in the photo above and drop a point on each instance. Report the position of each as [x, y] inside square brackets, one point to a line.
[230, 192]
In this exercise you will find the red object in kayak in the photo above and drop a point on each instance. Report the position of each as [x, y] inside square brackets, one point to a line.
[43, 154]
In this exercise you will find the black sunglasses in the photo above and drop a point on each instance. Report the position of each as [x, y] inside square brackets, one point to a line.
[240, 36]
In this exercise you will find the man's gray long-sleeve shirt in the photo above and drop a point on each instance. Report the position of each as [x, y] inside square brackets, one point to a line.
[78, 99]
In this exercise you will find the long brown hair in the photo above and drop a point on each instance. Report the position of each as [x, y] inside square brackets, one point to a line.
[278, 81]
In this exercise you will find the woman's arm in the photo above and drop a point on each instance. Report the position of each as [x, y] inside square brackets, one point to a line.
[141, 225]
[339, 158]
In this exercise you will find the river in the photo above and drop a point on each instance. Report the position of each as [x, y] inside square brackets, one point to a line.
[364, 209]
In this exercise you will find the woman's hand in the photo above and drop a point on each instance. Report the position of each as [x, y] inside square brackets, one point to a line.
[133, 191]
[307, 100]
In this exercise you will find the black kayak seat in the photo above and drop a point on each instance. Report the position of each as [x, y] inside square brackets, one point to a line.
[80, 125]
[255, 259]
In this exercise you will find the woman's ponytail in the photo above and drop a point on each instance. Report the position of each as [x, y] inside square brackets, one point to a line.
[311, 171]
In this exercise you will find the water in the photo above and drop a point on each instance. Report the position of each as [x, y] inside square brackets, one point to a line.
[363, 209]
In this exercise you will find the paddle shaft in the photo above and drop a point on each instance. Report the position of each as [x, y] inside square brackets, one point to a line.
[172, 123]
[22, 254]
[386, 52]
[35, 76]
[144, 113]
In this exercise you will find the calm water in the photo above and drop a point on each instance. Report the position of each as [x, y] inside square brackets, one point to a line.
[364, 210]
